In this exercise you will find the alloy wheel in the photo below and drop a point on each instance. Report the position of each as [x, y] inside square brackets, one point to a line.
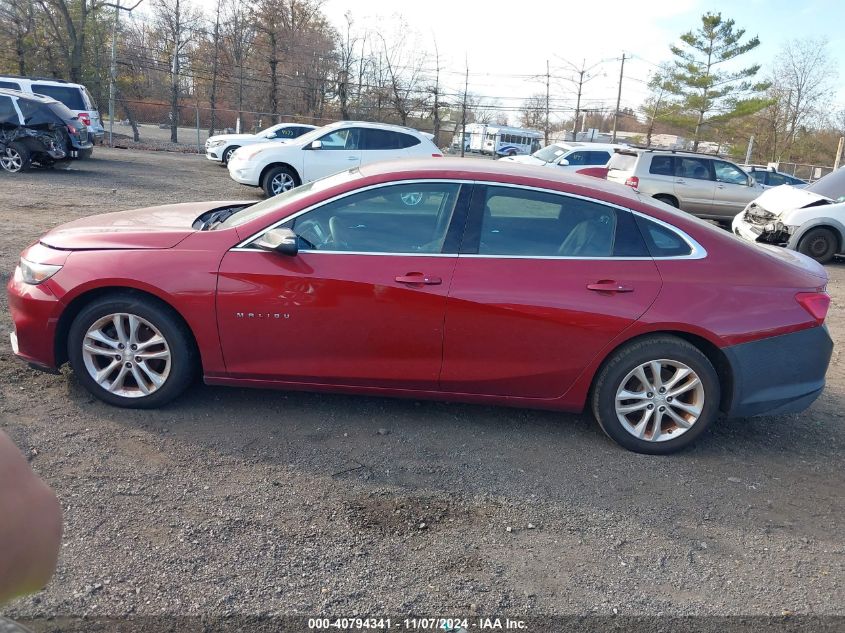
[11, 160]
[281, 182]
[126, 355]
[659, 400]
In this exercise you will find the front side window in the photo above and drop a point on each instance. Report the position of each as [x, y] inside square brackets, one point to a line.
[697, 168]
[577, 158]
[529, 223]
[406, 218]
[345, 139]
[725, 172]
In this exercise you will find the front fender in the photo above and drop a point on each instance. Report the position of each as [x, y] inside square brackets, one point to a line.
[825, 221]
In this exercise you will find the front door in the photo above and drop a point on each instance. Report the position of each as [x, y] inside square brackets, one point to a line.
[544, 282]
[361, 304]
[733, 191]
[339, 151]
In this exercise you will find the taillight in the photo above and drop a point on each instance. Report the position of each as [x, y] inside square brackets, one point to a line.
[437, 155]
[72, 129]
[632, 181]
[816, 303]
[85, 118]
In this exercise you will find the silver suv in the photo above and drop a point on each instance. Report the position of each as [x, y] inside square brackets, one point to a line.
[701, 184]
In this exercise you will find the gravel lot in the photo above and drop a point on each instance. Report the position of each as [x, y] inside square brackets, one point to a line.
[260, 502]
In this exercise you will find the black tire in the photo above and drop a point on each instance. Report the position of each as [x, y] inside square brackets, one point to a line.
[626, 359]
[227, 154]
[183, 356]
[16, 158]
[279, 171]
[821, 244]
[85, 154]
[670, 200]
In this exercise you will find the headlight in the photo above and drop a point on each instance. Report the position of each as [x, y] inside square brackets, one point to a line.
[35, 274]
[247, 153]
[215, 143]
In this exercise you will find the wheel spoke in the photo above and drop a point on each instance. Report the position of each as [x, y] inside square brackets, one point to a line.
[154, 340]
[117, 320]
[106, 371]
[133, 329]
[642, 425]
[656, 368]
[630, 395]
[689, 408]
[658, 421]
[142, 385]
[100, 337]
[679, 420]
[680, 374]
[162, 355]
[155, 378]
[690, 384]
[117, 383]
[639, 374]
[630, 408]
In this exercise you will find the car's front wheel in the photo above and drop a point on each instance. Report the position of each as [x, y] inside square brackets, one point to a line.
[656, 395]
[278, 180]
[131, 352]
[15, 158]
[227, 154]
[820, 244]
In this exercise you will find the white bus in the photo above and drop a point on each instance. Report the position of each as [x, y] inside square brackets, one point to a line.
[500, 140]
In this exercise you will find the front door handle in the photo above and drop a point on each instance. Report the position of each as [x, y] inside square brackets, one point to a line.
[680, 181]
[352, 158]
[419, 278]
[609, 285]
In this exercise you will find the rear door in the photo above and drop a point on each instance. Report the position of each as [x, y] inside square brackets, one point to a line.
[732, 192]
[695, 185]
[543, 283]
[340, 151]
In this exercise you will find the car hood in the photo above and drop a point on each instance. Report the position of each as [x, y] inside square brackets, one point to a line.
[236, 137]
[783, 198]
[150, 227]
[524, 159]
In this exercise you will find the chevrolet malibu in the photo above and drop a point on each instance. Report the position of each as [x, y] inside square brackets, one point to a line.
[506, 284]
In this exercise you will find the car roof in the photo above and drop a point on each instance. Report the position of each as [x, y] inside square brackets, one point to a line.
[375, 126]
[42, 80]
[494, 170]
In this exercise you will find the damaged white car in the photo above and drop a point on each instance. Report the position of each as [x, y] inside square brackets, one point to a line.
[810, 220]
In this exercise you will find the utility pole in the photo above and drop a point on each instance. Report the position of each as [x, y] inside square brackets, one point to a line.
[464, 110]
[618, 99]
[749, 150]
[548, 77]
[578, 102]
[839, 153]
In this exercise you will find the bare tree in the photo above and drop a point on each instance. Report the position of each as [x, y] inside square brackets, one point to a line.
[404, 63]
[532, 113]
[17, 21]
[238, 36]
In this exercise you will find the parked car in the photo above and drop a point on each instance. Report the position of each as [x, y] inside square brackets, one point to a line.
[569, 156]
[221, 146]
[74, 96]
[704, 185]
[810, 220]
[771, 177]
[509, 285]
[38, 130]
[325, 151]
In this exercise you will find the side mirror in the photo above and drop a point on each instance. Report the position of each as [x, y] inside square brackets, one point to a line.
[563, 162]
[282, 241]
[316, 145]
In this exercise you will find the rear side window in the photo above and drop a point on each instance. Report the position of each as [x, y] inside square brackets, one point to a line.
[661, 166]
[8, 114]
[661, 241]
[35, 113]
[71, 96]
[379, 139]
[598, 158]
[10, 85]
[406, 140]
[529, 223]
[622, 161]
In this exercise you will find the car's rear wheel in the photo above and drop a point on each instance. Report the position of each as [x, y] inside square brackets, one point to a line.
[131, 352]
[227, 154]
[656, 395]
[820, 244]
[15, 158]
[670, 200]
[278, 180]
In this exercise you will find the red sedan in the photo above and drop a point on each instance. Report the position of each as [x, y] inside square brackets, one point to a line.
[452, 279]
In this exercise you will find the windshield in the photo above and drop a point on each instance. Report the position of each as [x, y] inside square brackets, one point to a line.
[247, 214]
[831, 186]
[548, 154]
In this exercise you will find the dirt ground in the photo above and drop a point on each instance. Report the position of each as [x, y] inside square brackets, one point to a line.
[235, 501]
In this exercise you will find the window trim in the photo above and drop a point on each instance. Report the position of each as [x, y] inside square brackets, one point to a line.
[697, 251]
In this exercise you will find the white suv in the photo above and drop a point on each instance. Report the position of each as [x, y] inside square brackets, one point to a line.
[569, 156]
[221, 146]
[278, 167]
[74, 96]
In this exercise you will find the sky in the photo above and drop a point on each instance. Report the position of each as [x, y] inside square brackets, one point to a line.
[506, 44]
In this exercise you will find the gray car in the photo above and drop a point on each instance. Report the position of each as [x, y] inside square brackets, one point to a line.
[704, 185]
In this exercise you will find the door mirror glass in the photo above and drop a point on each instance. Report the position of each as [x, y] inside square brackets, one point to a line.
[316, 145]
[282, 241]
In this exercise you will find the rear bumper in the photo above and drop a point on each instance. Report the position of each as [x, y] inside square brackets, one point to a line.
[778, 375]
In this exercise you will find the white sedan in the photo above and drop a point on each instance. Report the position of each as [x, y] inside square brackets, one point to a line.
[278, 167]
[220, 146]
[569, 156]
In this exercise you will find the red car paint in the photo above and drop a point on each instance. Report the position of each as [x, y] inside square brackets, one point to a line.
[508, 331]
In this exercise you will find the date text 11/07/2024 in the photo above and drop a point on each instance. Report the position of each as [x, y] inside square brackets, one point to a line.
[449, 625]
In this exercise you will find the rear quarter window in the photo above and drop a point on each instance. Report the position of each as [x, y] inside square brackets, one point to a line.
[662, 241]
[10, 85]
[71, 96]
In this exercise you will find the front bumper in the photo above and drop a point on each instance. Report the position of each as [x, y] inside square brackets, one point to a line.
[778, 375]
[214, 153]
[35, 314]
[244, 173]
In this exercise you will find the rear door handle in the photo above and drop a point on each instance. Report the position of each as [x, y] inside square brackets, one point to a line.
[608, 285]
[352, 158]
[419, 278]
